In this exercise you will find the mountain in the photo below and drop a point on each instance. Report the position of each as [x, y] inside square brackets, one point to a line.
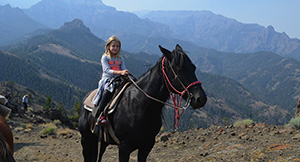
[224, 34]
[136, 34]
[54, 13]
[103, 20]
[14, 24]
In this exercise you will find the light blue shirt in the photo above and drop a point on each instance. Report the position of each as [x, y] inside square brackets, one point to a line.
[108, 65]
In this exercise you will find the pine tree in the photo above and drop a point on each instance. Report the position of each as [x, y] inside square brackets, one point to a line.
[48, 103]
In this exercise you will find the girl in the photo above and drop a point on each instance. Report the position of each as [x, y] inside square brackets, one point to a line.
[112, 65]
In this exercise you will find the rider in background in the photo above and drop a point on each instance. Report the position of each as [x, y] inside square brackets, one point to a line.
[113, 65]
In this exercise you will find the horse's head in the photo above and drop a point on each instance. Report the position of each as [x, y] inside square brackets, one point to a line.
[179, 75]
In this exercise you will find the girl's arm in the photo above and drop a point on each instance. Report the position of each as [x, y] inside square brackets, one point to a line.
[105, 65]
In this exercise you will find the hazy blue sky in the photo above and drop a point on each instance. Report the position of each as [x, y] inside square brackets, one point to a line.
[283, 15]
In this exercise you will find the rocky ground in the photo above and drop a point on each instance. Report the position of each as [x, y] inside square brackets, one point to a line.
[257, 142]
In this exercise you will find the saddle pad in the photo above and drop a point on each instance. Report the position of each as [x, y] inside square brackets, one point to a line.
[88, 101]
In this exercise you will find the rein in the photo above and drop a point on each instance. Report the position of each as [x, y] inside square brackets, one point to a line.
[152, 98]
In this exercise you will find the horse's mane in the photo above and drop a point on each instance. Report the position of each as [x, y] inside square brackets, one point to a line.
[151, 69]
[174, 52]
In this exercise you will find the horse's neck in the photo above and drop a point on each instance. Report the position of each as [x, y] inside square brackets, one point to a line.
[153, 83]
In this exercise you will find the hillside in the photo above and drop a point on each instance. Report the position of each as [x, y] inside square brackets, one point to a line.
[229, 101]
[31, 75]
[271, 77]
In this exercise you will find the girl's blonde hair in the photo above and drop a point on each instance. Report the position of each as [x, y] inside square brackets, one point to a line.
[107, 51]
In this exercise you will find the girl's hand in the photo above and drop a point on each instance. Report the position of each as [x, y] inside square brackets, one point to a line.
[124, 72]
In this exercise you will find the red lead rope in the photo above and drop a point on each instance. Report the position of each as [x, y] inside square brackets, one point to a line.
[177, 114]
[175, 97]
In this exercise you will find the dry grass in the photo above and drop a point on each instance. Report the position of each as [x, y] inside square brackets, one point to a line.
[64, 131]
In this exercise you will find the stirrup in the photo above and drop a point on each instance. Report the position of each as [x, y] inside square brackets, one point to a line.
[103, 121]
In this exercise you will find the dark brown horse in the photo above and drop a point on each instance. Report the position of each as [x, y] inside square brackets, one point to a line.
[6, 142]
[137, 118]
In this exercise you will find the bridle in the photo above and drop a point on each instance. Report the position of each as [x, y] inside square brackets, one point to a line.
[185, 88]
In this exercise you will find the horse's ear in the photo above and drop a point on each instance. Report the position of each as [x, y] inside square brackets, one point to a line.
[165, 52]
[178, 47]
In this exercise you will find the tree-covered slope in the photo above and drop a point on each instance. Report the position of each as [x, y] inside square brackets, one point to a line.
[272, 77]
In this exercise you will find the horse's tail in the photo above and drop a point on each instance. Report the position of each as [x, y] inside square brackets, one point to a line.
[5, 153]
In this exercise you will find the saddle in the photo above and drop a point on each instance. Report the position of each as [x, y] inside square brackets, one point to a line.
[110, 107]
[100, 130]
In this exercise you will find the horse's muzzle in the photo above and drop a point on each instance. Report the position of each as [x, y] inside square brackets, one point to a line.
[198, 102]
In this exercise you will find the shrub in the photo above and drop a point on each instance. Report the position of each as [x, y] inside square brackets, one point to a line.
[23, 125]
[242, 123]
[57, 122]
[48, 131]
[50, 128]
[48, 125]
[295, 122]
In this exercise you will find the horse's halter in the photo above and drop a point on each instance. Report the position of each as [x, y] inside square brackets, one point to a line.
[176, 104]
[168, 82]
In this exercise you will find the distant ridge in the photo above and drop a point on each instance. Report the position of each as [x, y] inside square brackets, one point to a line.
[209, 30]
[14, 24]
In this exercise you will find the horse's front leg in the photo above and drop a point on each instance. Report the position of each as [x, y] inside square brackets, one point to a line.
[144, 151]
[89, 147]
[124, 152]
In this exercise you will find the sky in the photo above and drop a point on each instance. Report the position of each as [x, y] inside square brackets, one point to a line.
[283, 15]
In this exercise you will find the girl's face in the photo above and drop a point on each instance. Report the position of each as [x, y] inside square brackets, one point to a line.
[114, 47]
